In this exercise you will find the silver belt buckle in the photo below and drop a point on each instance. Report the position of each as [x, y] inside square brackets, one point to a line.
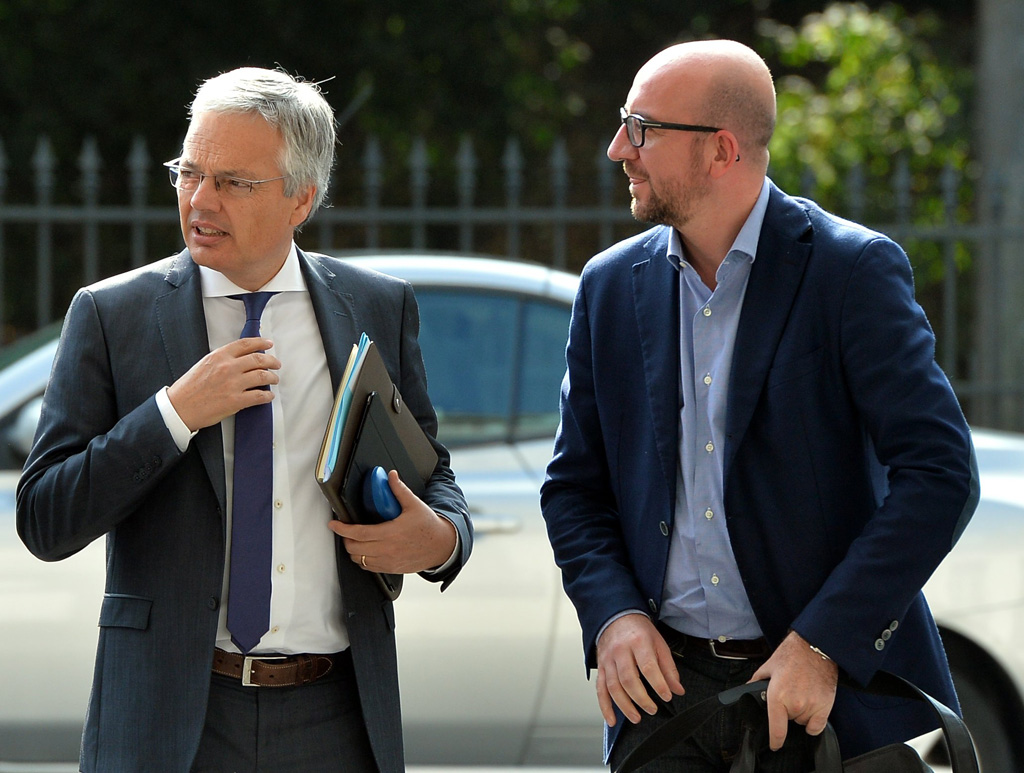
[247, 662]
[712, 645]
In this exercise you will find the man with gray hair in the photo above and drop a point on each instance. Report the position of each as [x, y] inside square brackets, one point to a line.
[237, 633]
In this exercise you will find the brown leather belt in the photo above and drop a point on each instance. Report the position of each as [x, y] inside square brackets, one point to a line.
[731, 649]
[273, 670]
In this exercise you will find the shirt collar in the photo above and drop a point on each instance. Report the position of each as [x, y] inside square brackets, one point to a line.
[288, 279]
[746, 240]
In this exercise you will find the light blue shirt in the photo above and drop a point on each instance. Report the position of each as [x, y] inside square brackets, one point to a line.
[704, 594]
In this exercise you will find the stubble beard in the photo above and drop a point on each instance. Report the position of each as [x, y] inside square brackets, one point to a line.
[679, 202]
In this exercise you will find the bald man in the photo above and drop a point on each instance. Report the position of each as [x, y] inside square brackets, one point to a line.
[753, 431]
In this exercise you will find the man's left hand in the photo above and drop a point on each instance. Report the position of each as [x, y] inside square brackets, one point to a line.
[418, 539]
[802, 687]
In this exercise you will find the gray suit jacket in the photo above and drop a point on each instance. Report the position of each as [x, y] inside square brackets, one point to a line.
[105, 464]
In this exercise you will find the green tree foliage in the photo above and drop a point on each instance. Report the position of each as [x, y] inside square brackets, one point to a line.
[863, 88]
[857, 85]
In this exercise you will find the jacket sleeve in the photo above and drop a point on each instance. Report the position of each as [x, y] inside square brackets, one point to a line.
[90, 466]
[929, 485]
[578, 501]
[443, 494]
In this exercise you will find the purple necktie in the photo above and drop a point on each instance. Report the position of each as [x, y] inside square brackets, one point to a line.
[251, 514]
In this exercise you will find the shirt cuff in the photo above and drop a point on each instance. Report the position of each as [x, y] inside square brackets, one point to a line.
[613, 618]
[451, 559]
[180, 432]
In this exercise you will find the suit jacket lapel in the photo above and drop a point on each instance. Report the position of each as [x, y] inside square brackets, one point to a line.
[335, 314]
[182, 324]
[656, 298]
[782, 253]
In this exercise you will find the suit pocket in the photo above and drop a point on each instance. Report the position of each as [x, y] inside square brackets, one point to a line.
[120, 611]
[797, 367]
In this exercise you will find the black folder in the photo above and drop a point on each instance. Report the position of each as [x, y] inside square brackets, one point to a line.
[376, 429]
[372, 376]
[376, 445]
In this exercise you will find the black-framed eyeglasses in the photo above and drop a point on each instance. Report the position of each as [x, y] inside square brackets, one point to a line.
[185, 179]
[637, 126]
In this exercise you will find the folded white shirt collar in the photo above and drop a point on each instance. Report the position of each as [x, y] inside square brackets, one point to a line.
[288, 279]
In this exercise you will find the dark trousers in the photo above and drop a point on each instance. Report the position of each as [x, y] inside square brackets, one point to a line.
[712, 748]
[313, 728]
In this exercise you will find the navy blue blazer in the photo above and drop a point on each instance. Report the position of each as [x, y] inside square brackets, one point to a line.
[848, 464]
[104, 464]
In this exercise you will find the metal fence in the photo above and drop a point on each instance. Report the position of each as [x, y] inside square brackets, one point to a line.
[971, 280]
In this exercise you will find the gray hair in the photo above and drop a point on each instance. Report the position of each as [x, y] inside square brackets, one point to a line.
[294, 107]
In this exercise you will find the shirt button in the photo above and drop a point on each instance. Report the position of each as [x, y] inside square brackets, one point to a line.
[714, 579]
[278, 504]
[709, 514]
[275, 629]
[709, 447]
[707, 311]
[707, 379]
[280, 568]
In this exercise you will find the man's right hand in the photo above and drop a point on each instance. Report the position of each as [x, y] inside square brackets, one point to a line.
[628, 647]
[224, 382]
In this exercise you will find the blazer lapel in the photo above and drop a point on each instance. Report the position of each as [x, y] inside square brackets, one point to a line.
[334, 310]
[656, 298]
[782, 253]
[182, 323]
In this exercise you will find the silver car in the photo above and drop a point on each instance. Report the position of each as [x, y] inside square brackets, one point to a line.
[515, 693]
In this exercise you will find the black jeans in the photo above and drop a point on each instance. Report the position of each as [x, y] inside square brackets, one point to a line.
[712, 748]
[313, 728]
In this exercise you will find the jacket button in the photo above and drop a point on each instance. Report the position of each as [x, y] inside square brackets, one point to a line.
[664, 528]
[886, 635]
[879, 645]
[894, 625]
[212, 602]
[652, 605]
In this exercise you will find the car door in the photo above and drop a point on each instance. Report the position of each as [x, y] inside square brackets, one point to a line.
[474, 661]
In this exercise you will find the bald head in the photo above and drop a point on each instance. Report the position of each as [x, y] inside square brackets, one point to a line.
[722, 83]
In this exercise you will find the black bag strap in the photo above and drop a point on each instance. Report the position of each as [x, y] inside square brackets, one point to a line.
[685, 724]
[962, 754]
[827, 757]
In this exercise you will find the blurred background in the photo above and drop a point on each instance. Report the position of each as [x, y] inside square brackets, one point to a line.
[481, 127]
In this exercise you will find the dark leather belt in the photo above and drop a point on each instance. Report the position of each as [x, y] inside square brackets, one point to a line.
[730, 649]
[274, 670]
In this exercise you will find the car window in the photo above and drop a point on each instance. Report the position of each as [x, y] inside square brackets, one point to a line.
[494, 363]
[545, 326]
[467, 339]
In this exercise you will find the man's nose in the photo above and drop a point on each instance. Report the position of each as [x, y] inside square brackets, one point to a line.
[206, 196]
[620, 148]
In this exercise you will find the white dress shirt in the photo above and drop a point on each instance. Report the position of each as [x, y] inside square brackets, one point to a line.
[306, 603]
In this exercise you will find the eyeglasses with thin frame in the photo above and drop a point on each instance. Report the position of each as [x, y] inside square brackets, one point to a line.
[185, 179]
[637, 126]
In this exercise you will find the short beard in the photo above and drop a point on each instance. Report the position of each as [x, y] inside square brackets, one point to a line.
[656, 211]
[679, 204]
